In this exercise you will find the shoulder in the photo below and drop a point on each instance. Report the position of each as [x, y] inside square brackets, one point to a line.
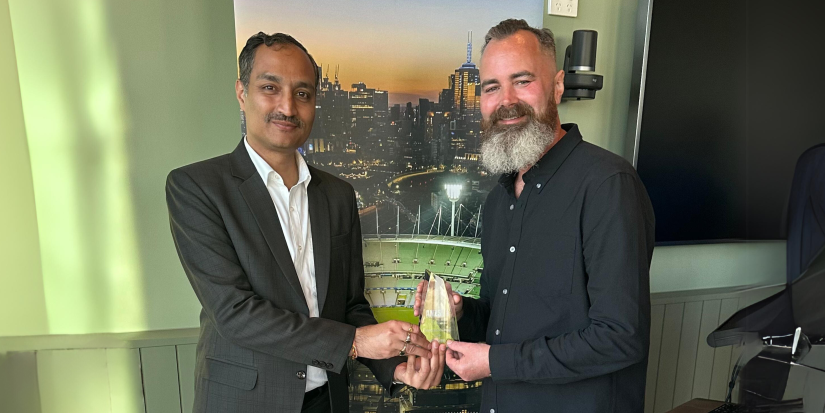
[201, 171]
[599, 164]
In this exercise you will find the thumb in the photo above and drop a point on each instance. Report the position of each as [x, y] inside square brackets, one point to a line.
[456, 298]
[457, 346]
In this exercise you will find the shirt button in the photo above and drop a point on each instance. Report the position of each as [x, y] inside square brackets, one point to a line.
[498, 332]
[538, 185]
[299, 248]
[512, 249]
[492, 410]
[292, 209]
[511, 207]
[505, 291]
[301, 375]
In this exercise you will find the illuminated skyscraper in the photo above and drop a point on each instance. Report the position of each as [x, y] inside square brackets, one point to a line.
[334, 112]
[362, 115]
[466, 87]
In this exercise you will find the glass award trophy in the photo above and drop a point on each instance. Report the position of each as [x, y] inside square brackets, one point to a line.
[438, 314]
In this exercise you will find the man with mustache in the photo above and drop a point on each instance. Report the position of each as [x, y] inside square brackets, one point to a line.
[564, 308]
[272, 248]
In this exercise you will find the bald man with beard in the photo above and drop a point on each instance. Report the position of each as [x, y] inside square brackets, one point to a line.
[564, 308]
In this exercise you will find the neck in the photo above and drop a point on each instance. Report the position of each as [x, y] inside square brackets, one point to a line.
[559, 134]
[282, 161]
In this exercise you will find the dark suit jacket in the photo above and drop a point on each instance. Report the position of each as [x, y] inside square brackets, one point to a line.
[256, 335]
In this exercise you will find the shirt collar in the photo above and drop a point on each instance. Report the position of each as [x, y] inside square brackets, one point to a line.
[547, 166]
[264, 169]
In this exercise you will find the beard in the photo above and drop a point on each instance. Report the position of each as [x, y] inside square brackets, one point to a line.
[511, 148]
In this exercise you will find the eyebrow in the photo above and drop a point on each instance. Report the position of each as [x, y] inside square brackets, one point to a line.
[277, 79]
[270, 77]
[522, 74]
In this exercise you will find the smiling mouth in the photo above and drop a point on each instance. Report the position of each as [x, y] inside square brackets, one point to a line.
[284, 125]
[512, 120]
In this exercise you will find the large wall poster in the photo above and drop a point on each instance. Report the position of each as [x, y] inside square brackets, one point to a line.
[398, 116]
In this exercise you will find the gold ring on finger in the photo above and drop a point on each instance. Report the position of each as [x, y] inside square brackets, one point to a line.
[403, 351]
[409, 331]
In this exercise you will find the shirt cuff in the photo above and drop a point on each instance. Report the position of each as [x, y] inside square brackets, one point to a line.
[503, 362]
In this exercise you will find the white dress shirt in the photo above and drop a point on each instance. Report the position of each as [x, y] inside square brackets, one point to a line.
[293, 213]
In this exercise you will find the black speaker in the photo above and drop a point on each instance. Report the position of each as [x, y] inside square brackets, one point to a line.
[579, 57]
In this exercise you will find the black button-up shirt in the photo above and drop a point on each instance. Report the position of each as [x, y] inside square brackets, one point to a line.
[565, 302]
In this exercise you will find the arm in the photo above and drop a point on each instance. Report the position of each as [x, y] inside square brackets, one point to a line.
[221, 285]
[617, 231]
[359, 313]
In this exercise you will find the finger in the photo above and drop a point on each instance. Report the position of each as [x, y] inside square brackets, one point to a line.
[419, 340]
[441, 349]
[418, 299]
[456, 298]
[453, 361]
[418, 351]
[409, 374]
[424, 372]
[436, 366]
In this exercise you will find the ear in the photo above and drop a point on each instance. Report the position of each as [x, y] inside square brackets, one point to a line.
[240, 95]
[559, 85]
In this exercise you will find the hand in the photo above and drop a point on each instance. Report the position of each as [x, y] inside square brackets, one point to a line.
[423, 373]
[458, 301]
[385, 340]
[471, 361]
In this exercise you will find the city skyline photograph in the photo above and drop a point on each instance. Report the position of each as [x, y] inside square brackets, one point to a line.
[408, 48]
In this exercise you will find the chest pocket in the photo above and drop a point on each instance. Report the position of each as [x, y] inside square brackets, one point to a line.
[339, 241]
[548, 267]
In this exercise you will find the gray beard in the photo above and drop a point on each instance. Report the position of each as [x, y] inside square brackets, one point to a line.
[516, 148]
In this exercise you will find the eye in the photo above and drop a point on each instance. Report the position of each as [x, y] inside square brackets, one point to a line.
[522, 82]
[268, 88]
[491, 89]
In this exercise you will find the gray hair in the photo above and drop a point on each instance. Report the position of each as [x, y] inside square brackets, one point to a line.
[247, 56]
[509, 27]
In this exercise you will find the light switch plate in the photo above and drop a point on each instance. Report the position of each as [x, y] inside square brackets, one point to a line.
[566, 8]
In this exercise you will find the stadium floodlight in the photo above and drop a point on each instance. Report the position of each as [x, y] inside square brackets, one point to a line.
[453, 193]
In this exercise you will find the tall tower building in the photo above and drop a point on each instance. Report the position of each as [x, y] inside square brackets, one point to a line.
[335, 112]
[466, 87]
[362, 113]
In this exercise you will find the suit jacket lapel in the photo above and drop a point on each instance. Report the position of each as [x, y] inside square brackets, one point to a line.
[319, 223]
[257, 198]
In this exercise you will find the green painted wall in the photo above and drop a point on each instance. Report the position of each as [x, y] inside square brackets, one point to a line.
[115, 94]
[603, 121]
[22, 303]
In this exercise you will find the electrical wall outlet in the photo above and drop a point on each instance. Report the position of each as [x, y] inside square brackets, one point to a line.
[566, 8]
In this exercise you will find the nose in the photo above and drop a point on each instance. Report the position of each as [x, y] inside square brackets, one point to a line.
[287, 105]
[508, 95]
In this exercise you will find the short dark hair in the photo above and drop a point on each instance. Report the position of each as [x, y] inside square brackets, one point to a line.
[247, 56]
[509, 27]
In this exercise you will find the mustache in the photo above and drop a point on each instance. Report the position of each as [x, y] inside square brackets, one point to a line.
[284, 118]
[516, 110]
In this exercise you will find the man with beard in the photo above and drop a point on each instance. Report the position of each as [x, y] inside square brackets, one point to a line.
[272, 248]
[564, 306]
